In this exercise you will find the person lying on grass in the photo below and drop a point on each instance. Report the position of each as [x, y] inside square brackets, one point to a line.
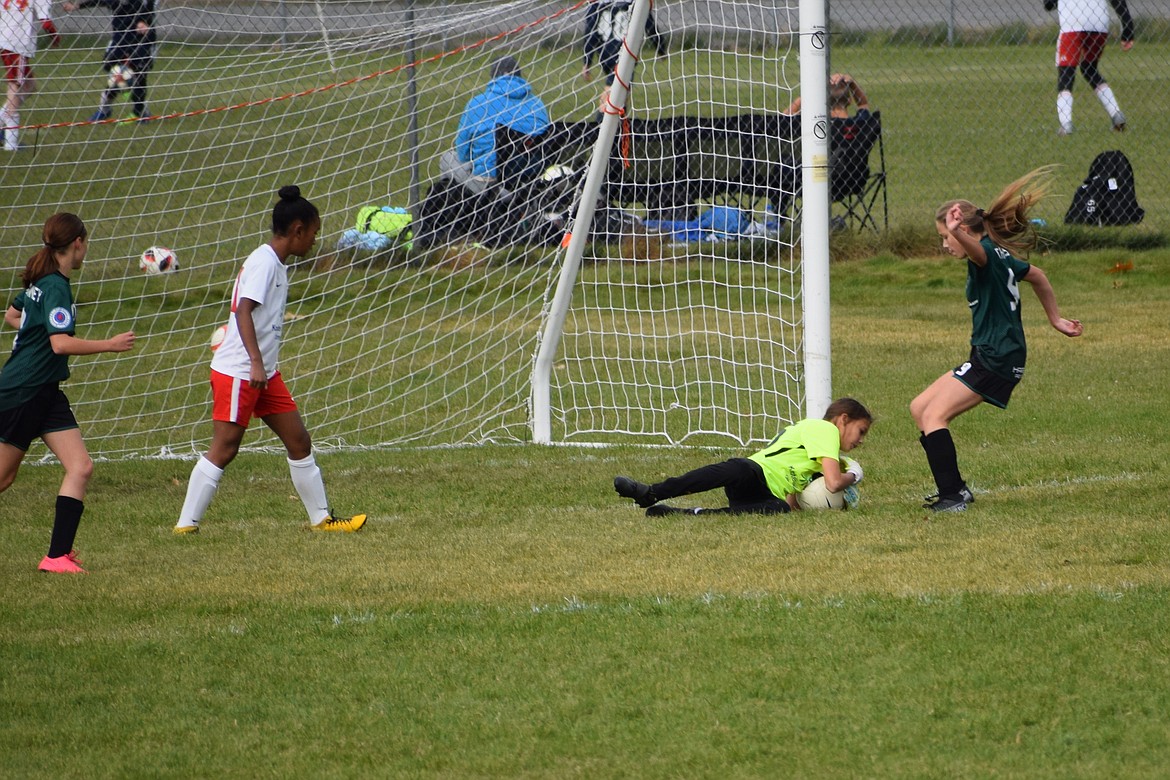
[768, 481]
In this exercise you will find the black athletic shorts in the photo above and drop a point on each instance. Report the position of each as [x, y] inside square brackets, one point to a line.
[46, 412]
[995, 390]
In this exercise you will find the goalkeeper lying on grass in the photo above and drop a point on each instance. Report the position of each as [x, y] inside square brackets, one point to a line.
[769, 481]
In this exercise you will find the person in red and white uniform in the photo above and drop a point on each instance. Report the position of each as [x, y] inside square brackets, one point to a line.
[245, 382]
[18, 44]
[1084, 31]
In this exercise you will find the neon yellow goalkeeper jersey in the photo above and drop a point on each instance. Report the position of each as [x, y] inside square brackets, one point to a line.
[792, 458]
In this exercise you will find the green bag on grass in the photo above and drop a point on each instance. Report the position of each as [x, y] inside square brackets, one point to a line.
[390, 221]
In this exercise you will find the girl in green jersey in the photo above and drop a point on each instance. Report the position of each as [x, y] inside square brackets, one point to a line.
[31, 402]
[988, 239]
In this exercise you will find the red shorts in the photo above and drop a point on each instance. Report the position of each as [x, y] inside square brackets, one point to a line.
[235, 401]
[1073, 48]
[17, 68]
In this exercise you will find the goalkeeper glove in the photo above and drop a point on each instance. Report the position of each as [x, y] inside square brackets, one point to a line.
[852, 497]
[854, 468]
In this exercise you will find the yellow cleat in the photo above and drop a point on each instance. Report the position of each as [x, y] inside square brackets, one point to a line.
[346, 524]
[185, 529]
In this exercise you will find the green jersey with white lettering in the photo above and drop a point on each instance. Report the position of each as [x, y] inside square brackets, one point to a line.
[46, 309]
[993, 294]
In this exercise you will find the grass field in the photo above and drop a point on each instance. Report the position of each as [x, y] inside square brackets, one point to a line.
[505, 615]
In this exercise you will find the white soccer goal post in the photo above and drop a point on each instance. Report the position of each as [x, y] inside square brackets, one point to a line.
[687, 318]
[694, 370]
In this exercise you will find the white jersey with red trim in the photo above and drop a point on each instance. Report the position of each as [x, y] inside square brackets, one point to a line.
[1083, 15]
[263, 279]
[18, 28]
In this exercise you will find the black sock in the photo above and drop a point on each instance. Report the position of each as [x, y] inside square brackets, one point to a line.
[65, 524]
[943, 461]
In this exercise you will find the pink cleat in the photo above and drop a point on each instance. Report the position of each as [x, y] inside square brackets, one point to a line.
[66, 564]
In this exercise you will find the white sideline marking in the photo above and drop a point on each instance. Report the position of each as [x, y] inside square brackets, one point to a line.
[1091, 479]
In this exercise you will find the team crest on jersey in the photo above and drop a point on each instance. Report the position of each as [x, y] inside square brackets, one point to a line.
[60, 318]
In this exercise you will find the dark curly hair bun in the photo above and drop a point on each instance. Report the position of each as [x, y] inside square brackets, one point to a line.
[292, 207]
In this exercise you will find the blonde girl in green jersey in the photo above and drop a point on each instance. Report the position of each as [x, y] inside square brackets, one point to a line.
[989, 240]
[32, 404]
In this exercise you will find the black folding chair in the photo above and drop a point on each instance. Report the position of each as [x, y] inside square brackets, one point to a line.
[853, 184]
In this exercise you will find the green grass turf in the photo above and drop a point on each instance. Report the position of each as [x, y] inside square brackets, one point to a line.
[505, 615]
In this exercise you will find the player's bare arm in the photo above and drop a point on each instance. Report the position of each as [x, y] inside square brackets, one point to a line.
[65, 344]
[257, 377]
[1047, 297]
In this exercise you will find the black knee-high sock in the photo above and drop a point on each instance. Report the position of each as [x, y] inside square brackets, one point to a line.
[943, 461]
[65, 524]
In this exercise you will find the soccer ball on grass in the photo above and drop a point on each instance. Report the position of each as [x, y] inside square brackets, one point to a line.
[158, 260]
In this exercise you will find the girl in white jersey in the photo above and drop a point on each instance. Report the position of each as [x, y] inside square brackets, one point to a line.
[245, 382]
[1084, 31]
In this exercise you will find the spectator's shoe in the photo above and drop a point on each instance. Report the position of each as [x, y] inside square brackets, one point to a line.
[1065, 129]
[62, 565]
[185, 529]
[1119, 122]
[662, 510]
[628, 488]
[100, 115]
[345, 524]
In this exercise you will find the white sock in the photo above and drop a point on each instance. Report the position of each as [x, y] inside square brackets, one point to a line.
[306, 477]
[1064, 105]
[200, 490]
[1105, 95]
[11, 137]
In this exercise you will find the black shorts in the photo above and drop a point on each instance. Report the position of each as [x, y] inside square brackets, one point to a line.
[46, 412]
[994, 389]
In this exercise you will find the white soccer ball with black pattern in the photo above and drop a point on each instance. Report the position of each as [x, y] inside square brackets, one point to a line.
[120, 77]
[158, 260]
[817, 496]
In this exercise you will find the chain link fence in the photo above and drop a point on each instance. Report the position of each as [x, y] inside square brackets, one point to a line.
[968, 90]
[970, 100]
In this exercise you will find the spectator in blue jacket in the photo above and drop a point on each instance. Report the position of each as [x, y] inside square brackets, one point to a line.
[507, 100]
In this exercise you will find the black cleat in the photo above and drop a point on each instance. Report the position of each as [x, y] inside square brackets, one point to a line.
[964, 494]
[630, 488]
[951, 503]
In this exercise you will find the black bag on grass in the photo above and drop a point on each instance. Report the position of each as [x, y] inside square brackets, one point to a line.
[1108, 195]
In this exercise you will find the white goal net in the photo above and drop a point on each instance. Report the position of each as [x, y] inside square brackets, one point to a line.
[685, 323]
